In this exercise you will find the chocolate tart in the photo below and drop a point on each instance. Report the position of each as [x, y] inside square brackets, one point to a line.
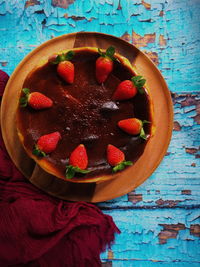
[84, 113]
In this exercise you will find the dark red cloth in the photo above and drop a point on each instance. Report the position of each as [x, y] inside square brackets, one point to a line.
[39, 230]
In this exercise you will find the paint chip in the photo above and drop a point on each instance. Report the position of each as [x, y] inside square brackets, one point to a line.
[153, 56]
[146, 5]
[161, 13]
[142, 41]
[195, 229]
[177, 126]
[186, 192]
[162, 40]
[110, 254]
[31, 3]
[126, 37]
[134, 198]
[191, 150]
[62, 3]
[169, 231]
[4, 63]
[168, 203]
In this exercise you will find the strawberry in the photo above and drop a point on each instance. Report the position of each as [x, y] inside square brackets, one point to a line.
[133, 126]
[65, 68]
[46, 144]
[128, 88]
[35, 100]
[125, 90]
[116, 158]
[104, 64]
[78, 162]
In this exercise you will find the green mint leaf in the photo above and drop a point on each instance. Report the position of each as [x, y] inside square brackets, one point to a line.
[122, 165]
[142, 134]
[23, 102]
[38, 152]
[127, 163]
[145, 121]
[139, 82]
[101, 53]
[63, 57]
[69, 55]
[140, 90]
[57, 60]
[78, 170]
[119, 167]
[110, 52]
[71, 171]
[26, 91]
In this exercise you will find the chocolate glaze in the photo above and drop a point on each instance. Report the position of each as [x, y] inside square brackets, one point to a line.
[83, 113]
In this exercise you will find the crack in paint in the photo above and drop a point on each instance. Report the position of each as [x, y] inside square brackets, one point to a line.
[186, 192]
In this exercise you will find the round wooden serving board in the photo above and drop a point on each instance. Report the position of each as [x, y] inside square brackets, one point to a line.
[129, 178]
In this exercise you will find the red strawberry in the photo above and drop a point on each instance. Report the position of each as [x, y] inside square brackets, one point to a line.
[78, 162]
[116, 158]
[35, 100]
[104, 64]
[128, 88]
[65, 70]
[133, 126]
[46, 144]
[125, 90]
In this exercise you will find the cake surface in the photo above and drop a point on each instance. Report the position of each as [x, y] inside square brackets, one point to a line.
[83, 113]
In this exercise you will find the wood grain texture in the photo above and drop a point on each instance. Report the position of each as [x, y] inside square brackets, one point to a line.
[168, 31]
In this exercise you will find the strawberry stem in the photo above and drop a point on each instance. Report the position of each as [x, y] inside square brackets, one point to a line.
[142, 132]
[37, 152]
[23, 101]
[110, 51]
[122, 165]
[63, 57]
[139, 82]
[72, 170]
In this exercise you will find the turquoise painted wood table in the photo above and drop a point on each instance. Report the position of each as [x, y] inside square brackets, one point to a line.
[160, 220]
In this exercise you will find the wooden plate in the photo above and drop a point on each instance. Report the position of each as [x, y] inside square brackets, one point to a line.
[128, 179]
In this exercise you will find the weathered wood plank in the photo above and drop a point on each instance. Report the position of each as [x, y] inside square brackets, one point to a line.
[152, 29]
[164, 235]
